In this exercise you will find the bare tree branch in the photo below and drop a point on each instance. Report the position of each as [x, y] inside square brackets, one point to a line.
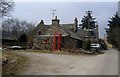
[6, 7]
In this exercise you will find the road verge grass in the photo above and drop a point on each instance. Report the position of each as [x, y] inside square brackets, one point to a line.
[63, 52]
[12, 63]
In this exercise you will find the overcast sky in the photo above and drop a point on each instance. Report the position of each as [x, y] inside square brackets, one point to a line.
[34, 11]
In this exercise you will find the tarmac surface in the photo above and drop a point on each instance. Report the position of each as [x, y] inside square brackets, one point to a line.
[57, 64]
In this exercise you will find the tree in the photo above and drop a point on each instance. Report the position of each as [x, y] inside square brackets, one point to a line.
[18, 28]
[88, 21]
[114, 22]
[23, 40]
[6, 7]
[28, 29]
[87, 45]
[103, 44]
[112, 31]
[12, 26]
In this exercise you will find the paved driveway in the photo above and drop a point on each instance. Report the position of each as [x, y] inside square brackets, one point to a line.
[56, 64]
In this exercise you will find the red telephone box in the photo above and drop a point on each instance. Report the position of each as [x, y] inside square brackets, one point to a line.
[57, 41]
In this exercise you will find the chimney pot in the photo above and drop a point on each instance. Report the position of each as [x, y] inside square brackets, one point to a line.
[55, 17]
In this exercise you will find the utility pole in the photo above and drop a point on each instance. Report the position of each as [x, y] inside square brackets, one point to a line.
[53, 12]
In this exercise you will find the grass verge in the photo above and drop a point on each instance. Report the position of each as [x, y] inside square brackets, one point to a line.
[12, 63]
[63, 52]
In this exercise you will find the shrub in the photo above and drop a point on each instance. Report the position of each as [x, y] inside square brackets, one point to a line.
[87, 45]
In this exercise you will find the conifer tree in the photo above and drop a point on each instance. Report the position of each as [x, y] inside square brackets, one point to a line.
[88, 22]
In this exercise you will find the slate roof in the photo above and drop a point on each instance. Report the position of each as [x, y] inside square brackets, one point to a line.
[41, 27]
[56, 29]
[75, 35]
[8, 36]
[64, 29]
[67, 26]
[83, 32]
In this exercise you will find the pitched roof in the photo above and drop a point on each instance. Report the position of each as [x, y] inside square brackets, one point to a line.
[64, 29]
[75, 35]
[67, 26]
[56, 29]
[83, 32]
[41, 27]
[8, 36]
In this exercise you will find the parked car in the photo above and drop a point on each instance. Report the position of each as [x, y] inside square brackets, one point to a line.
[1, 48]
[16, 47]
[95, 47]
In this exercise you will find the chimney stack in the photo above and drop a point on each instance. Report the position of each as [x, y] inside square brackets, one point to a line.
[55, 22]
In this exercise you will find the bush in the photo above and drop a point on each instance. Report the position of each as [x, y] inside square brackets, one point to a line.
[103, 44]
[12, 63]
[87, 45]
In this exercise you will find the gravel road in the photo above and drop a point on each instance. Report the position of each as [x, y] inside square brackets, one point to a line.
[56, 64]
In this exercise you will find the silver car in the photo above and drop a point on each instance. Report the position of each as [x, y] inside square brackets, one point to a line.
[95, 47]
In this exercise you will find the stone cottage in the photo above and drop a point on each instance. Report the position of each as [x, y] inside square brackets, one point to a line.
[71, 37]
